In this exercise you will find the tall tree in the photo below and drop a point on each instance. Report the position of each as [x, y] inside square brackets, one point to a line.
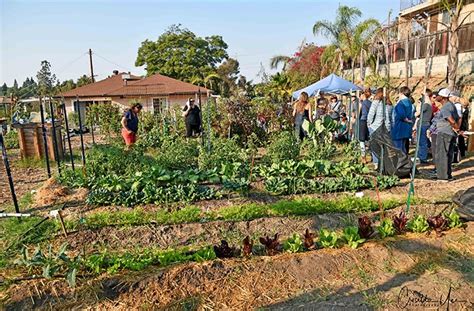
[180, 54]
[46, 80]
[454, 9]
[278, 60]
[4, 89]
[83, 80]
[359, 43]
[342, 27]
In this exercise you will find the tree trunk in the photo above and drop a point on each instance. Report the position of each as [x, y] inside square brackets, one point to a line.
[341, 64]
[353, 69]
[453, 51]
[361, 62]
[407, 61]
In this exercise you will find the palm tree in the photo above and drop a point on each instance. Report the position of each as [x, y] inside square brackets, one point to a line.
[275, 61]
[359, 44]
[343, 26]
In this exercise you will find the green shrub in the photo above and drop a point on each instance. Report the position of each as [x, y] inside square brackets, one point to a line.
[223, 151]
[11, 140]
[283, 146]
[177, 153]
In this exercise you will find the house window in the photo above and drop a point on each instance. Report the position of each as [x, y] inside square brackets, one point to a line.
[160, 104]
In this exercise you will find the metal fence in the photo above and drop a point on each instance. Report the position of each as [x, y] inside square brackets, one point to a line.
[406, 4]
[417, 47]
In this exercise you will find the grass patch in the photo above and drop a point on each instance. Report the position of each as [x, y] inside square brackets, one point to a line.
[32, 163]
[246, 212]
[143, 258]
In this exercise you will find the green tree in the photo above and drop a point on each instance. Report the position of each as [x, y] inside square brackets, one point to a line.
[4, 89]
[338, 32]
[359, 43]
[278, 60]
[83, 80]
[46, 80]
[180, 54]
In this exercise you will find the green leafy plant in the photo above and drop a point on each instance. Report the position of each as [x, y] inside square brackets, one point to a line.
[294, 244]
[454, 220]
[386, 228]
[283, 146]
[352, 237]
[419, 224]
[11, 140]
[52, 263]
[328, 239]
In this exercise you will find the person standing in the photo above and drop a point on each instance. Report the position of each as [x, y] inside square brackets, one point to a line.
[402, 120]
[192, 115]
[464, 127]
[377, 116]
[363, 128]
[302, 111]
[130, 124]
[334, 108]
[426, 113]
[448, 128]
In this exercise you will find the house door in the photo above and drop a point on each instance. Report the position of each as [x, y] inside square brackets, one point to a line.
[160, 104]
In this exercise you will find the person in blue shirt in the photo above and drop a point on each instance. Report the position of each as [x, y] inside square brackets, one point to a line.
[130, 124]
[402, 120]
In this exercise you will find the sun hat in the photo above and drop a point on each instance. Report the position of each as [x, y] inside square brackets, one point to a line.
[444, 93]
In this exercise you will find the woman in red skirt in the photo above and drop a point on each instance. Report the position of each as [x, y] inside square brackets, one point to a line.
[130, 124]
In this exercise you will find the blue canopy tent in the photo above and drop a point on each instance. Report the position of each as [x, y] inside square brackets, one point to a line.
[331, 84]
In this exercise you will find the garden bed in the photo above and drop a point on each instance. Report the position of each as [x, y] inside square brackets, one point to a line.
[370, 277]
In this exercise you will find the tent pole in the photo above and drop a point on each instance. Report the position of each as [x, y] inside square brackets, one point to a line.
[349, 113]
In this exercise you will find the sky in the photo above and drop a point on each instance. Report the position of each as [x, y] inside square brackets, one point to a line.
[62, 32]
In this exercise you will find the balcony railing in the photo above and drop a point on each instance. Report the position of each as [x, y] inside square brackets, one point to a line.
[406, 4]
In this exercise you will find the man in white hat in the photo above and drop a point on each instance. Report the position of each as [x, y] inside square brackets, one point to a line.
[448, 128]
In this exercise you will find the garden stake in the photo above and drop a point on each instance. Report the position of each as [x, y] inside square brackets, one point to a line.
[411, 190]
[55, 142]
[382, 214]
[62, 223]
[92, 128]
[383, 124]
[83, 155]
[68, 135]
[9, 173]
[45, 140]
[349, 113]
[200, 115]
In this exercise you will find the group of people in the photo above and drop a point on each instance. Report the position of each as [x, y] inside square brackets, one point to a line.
[442, 118]
[191, 114]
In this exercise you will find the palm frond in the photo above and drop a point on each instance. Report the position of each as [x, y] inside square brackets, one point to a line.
[275, 61]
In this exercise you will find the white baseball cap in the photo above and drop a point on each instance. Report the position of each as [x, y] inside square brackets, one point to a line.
[444, 93]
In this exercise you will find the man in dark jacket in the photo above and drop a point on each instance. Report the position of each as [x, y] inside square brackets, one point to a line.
[192, 115]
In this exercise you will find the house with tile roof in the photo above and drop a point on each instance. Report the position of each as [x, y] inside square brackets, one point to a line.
[157, 93]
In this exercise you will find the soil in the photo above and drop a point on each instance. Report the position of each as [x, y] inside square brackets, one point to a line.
[378, 275]
[25, 179]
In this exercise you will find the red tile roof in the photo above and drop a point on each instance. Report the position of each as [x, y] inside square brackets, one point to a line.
[172, 86]
[102, 87]
[153, 85]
